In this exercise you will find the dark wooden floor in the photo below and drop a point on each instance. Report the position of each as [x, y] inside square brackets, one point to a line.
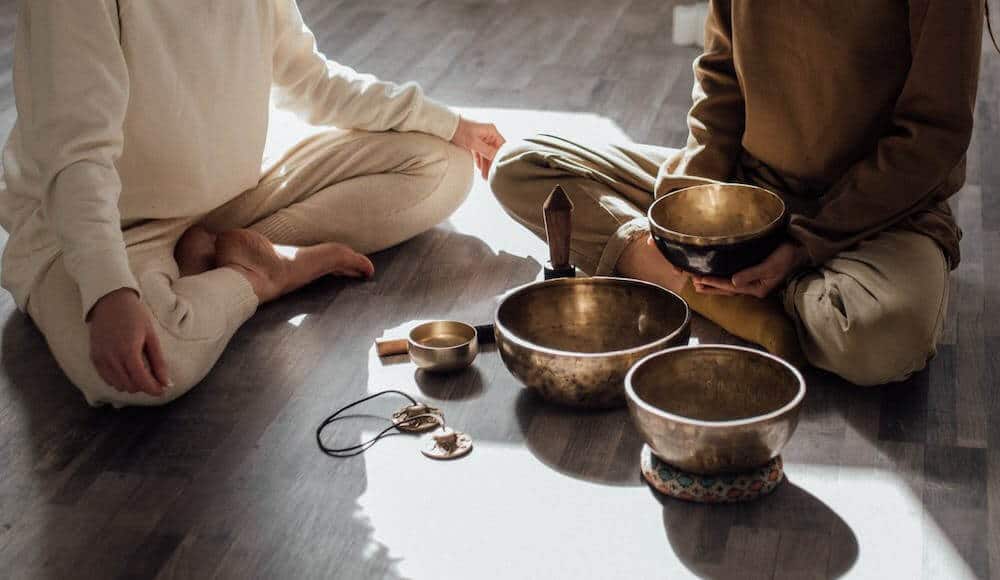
[902, 481]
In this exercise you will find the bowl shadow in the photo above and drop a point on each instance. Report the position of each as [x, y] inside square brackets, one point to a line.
[451, 386]
[790, 533]
[599, 446]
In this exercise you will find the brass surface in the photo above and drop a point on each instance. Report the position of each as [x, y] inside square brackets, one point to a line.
[447, 443]
[418, 418]
[574, 339]
[443, 345]
[716, 214]
[715, 409]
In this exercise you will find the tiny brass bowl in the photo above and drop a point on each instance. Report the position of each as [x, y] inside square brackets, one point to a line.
[443, 345]
[717, 229]
[573, 339]
[713, 409]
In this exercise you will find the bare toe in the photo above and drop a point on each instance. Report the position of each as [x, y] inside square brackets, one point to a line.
[347, 262]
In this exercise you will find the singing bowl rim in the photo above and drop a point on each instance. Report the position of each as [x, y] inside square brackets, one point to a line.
[696, 240]
[510, 336]
[466, 328]
[645, 406]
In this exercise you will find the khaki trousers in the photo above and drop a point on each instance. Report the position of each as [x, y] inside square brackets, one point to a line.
[872, 315]
[367, 190]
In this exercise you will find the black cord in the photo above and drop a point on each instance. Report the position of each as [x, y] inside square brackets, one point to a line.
[365, 445]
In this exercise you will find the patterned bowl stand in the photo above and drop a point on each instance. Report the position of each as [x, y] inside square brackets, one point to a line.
[722, 488]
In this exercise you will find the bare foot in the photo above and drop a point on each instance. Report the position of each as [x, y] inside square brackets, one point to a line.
[195, 251]
[277, 270]
[643, 261]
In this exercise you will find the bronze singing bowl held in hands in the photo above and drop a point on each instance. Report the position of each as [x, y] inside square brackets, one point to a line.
[715, 409]
[443, 345]
[574, 339]
[717, 229]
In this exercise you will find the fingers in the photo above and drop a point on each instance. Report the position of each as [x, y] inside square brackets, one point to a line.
[720, 286]
[711, 290]
[488, 142]
[482, 165]
[497, 137]
[485, 168]
[483, 140]
[140, 375]
[756, 281]
[714, 286]
[113, 374]
[717, 283]
[486, 149]
[751, 275]
[760, 288]
[154, 354]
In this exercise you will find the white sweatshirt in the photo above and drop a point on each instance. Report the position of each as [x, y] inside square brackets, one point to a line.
[131, 110]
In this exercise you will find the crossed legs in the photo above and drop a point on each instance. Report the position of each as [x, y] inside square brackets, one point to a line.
[873, 314]
[202, 277]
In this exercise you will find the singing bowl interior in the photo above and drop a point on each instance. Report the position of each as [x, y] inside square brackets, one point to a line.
[442, 334]
[715, 384]
[591, 315]
[443, 345]
[716, 214]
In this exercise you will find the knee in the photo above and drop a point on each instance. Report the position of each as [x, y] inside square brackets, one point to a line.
[435, 159]
[521, 178]
[458, 174]
[511, 169]
[880, 343]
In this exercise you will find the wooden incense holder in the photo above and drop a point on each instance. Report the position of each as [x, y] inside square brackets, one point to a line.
[558, 214]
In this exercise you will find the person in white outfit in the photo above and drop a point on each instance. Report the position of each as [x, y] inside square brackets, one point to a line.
[143, 228]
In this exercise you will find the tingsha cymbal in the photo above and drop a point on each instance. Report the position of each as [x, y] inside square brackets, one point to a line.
[418, 418]
[447, 444]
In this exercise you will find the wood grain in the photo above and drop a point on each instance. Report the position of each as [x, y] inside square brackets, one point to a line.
[901, 481]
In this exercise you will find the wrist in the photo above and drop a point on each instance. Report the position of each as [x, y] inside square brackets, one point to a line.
[459, 125]
[114, 297]
[800, 256]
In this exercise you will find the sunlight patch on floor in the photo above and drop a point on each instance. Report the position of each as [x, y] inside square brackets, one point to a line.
[412, 502]
[500, 482]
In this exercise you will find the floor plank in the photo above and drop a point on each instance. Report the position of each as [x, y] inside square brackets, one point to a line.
[901, 481]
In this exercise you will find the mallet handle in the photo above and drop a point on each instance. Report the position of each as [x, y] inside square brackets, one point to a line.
[391, 346]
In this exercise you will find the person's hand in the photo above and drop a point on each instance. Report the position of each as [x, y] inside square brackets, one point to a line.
[124, 346]
[759, 280]
[481, 139]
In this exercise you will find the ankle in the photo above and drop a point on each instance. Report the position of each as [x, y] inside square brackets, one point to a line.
[259, 282]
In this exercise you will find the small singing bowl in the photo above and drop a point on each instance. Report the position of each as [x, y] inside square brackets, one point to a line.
[573, 339]
[443, 345]
[713, 409]
[717, 229]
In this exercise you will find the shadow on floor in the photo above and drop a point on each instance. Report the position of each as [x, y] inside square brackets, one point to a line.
[227, 480]
[596, 446]
[790, 532]
[186, 489]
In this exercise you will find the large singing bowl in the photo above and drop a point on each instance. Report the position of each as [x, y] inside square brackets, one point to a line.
[715, 409]
[574, 339]
[717, 229]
